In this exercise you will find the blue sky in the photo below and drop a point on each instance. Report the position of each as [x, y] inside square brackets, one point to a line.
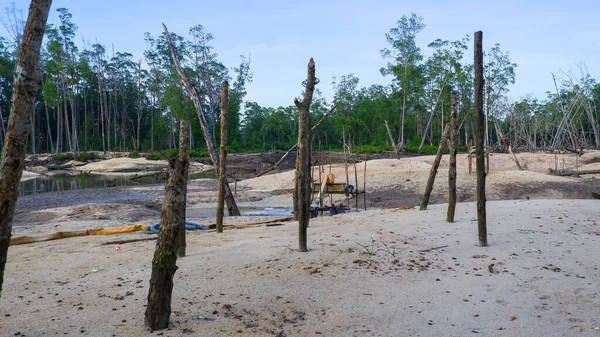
[346, 36]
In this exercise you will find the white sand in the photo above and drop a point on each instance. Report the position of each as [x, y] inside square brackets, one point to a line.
[253, 282]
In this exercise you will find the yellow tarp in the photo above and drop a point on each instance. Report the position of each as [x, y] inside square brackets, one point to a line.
[94, 231]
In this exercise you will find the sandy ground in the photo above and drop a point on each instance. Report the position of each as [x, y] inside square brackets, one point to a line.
[367, 274]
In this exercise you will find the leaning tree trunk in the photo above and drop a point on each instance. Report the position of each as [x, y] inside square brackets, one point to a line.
[172, 222]
[19, 122]
[223, 154]
[232, 207]
[434, 169]
[303, 178]
[479, 140]
[452, 163]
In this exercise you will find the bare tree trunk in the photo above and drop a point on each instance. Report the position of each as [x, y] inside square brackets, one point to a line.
[222, 169]
[168, 246]
[114, 115]
[48, 127]
[106, 105]
[296, 145]
[452, 164]
[74, 138]
[85, 122]
[152, 125]
[302, 186]
[232, 207]
[59, 142]
[184, 158]
[33, 130]
[66, 120]
[433, 108]
[123, 120]
[139, 102]
[101, 112]
[401, 140]
[434, 169]
[19, 122]
[479, 140]
[387, 127]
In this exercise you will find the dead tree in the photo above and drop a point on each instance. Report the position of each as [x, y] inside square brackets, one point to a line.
[434, 169]
[479, 139]
[172, 223]
[303, 179]
[222, 169]
[510, 151]
[452, 163]
[396, 150]
[19, 122]
[192, 90]
[184, 144]
[296, 145]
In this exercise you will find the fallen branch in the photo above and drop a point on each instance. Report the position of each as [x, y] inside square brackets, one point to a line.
[296, 145]
[430, 249]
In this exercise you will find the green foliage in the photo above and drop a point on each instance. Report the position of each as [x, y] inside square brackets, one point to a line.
[63, 157]
[371, 149]
[153, 156]
[426, 149]
[171, 153]
[134, 154]
[198, 153]
[86, 156]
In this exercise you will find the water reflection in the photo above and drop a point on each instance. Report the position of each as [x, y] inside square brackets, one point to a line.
[59, 183]
[43, 184]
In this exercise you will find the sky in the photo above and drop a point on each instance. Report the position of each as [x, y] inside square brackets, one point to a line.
[343, 37]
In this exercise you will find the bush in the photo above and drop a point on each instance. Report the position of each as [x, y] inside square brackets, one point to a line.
[63, 156]
[172, 153]
[86, 156]
[153, 156]
[371, 149]
[198, 153]
[193, 153]
[426, 149]
[134, 154]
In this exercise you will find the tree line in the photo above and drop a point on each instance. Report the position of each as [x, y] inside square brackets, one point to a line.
[93, 98]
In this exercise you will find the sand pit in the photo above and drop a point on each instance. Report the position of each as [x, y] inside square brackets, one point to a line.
[384, 272]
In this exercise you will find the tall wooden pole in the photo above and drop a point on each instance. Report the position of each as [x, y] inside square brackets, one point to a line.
[12, 161]
[223, 155]
[184, 161]
[452, 164]
[479, 140]
[302, 186]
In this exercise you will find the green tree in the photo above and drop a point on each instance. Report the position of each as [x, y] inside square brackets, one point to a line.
[406, 58]
[499, 73]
